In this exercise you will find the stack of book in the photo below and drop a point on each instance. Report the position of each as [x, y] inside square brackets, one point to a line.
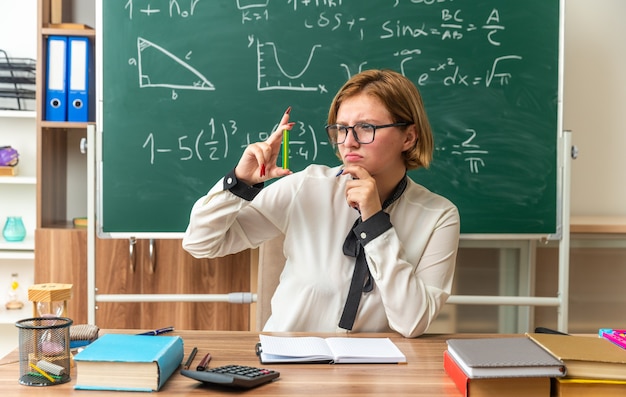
[595, 366]
[506, 366]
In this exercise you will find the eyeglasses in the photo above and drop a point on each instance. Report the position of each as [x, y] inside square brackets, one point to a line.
[363, 133]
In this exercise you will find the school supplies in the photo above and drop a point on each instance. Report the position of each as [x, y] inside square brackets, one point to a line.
[617, 336]
[338, 350]
[504, 357]
[128, 362]
[587, 357]
[494, 387]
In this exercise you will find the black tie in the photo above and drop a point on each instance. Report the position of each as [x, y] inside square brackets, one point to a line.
[361, 277]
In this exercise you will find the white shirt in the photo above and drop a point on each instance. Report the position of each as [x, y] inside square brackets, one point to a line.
[412, 263]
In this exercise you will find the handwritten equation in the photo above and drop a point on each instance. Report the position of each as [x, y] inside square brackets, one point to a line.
[215, 143]
[329, 17]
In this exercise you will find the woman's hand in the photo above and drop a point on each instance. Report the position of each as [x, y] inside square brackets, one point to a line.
[258, 161]
[362, 192]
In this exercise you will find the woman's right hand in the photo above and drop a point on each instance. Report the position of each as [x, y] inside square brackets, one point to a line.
[258, 161]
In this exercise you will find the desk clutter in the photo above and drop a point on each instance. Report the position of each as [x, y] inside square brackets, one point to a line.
[536, 364]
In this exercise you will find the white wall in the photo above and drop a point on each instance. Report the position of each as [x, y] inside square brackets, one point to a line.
[594, 104]
[18, 28]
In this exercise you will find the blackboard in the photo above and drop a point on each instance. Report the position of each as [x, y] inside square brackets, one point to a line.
[185, 85]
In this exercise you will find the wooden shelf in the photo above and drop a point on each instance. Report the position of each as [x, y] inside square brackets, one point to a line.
[68, 31]
[598, 224]
[64, 124]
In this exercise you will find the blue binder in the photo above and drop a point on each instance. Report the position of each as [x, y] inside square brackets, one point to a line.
[79, 79]
[56, 87]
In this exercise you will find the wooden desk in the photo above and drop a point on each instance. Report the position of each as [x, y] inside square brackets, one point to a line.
[423, 375]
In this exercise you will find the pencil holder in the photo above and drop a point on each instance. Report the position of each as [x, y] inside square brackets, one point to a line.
[44, 350]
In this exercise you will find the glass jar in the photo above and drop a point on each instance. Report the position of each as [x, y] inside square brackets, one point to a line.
[14, 229]
[14, 294]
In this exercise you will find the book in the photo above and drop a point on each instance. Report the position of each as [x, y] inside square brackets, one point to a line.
[494, 387]
[587, 357]
[617, 336]
[504, 357]
[577, 387]
[128, 362]
[8, 170]
[338, 350]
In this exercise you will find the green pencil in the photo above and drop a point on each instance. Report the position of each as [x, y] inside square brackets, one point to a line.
[285, 149]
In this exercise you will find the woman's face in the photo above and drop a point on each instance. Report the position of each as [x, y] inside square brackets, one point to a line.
[384, 154]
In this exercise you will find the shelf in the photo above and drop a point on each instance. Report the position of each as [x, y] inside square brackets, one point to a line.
[64, 124]
[18, 114]
[70, 30]
[17, 250]
[18, 180]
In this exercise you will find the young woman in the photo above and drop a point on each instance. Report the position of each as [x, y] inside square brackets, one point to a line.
[367, 249]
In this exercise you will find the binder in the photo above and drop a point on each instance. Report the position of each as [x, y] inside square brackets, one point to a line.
[56, 87]
[79, 79]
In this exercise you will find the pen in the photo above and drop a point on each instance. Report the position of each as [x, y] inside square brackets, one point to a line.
[158, 331]
[42, 372]
[285, 149]
[204, 363]
[192, 355]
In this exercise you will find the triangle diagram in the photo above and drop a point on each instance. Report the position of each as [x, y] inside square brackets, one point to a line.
[160, 68]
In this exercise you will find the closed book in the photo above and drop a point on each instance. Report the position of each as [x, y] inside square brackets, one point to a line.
[494, 387]
[128, 362]
[338, 350]
[503, 357]
[586, 357]
[617, 336]
[576, 387]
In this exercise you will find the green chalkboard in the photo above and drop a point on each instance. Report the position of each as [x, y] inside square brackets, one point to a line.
[185, 85]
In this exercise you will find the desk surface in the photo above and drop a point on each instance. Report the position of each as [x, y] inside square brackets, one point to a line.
[423, 375]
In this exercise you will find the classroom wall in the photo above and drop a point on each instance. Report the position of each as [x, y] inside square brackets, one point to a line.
[594, 105]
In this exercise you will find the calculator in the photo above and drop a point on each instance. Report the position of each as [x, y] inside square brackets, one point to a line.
[233, 375]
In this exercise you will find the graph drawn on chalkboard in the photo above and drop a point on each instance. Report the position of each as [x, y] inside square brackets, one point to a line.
[267, 56]
[153, 73]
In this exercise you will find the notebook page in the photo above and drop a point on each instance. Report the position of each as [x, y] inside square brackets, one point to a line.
[295, 346]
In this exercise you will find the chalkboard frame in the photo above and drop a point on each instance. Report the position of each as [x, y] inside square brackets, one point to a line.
[139, 231]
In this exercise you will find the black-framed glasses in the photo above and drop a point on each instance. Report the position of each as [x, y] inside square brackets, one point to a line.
[363, 133]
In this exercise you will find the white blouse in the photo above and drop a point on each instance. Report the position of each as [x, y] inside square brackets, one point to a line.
[411, 262]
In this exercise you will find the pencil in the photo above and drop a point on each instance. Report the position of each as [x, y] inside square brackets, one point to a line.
[285, 149]
[192, 355]
[36, 368]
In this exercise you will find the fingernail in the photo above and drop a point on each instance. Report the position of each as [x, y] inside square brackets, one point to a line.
[339, 173]
[262, 170]
[288, 110]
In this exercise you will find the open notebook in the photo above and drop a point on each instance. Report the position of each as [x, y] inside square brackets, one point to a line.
[338, 350]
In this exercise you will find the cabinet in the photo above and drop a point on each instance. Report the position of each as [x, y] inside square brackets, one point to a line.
[60, 255]
[162, 267]
[62, 249]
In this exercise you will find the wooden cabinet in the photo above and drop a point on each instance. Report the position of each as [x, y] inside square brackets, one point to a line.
[162, 267]
[60, 248]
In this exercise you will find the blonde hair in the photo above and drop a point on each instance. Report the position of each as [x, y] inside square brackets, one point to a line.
[403, 101]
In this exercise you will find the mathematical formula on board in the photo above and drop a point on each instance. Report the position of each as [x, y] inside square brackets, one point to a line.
[218, 140]
[214, 144]
[446, 71]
